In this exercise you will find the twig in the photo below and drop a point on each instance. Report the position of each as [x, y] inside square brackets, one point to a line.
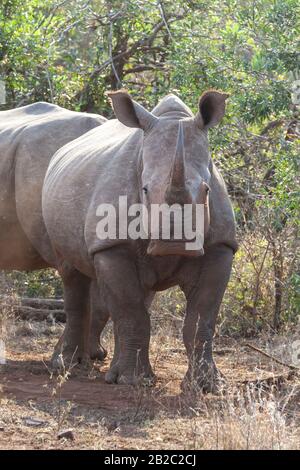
[163, 15]
[142, 68]
[282, 363]
[50, 15]
[140, 43]
[110, 39]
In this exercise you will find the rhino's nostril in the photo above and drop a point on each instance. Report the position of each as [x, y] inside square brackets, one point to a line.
[206, 187]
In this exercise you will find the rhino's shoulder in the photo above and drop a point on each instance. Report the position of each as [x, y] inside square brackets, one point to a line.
[222, 227]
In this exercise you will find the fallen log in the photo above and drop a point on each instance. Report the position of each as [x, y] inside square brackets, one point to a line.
[50, 304]
[38, 314]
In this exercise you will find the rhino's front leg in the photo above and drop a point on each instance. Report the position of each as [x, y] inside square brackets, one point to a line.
[148, 301]
[203, 301]
[125, 300]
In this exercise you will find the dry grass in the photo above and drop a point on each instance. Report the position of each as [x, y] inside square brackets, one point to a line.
[35, 405]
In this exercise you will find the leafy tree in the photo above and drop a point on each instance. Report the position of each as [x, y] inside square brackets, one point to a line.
[70, 52]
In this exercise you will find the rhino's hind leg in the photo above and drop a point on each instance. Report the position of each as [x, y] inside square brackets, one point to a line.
[120, 286]
[99, 318]
[72, 347]
[203, 302]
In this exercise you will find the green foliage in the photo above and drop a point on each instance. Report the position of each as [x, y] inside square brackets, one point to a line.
[45, 283]
[55, 51]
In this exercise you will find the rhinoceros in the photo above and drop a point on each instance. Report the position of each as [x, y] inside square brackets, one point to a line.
[29, 136]
[151, 157]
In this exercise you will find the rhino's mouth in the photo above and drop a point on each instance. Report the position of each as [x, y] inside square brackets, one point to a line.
[179, 248]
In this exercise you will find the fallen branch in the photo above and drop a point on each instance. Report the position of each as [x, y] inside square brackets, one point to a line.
[30, 313]
[51, 304]
[282, 363]
[38, 314]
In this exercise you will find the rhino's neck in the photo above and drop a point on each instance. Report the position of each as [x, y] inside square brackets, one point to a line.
[171, 104]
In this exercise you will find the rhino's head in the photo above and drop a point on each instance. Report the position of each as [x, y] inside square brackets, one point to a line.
[175, 156]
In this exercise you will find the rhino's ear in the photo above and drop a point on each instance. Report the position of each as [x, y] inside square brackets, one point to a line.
[211, 108]
[130, 113]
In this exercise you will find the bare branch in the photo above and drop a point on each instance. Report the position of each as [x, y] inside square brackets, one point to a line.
[142, 68]
[163, 15]
[145, 41]
[110, 38]
[50, 15]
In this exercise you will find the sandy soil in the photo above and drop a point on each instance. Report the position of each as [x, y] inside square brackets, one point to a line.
[36, 405]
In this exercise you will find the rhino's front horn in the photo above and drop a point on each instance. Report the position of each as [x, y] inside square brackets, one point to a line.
[177, 176]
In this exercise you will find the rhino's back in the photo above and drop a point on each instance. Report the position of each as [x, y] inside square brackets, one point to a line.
[29, 136]
[14, 118]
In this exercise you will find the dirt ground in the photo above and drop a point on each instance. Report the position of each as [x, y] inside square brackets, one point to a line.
[259, 409]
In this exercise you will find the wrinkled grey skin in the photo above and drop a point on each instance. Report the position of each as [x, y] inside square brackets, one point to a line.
[29, 136]
[145, 156]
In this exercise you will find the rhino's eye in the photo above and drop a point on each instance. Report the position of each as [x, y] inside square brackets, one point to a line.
[145, 190]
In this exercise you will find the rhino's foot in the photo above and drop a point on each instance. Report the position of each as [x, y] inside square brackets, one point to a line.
[98, 352]
[129, 376]
[206, 379]
[64, 360]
